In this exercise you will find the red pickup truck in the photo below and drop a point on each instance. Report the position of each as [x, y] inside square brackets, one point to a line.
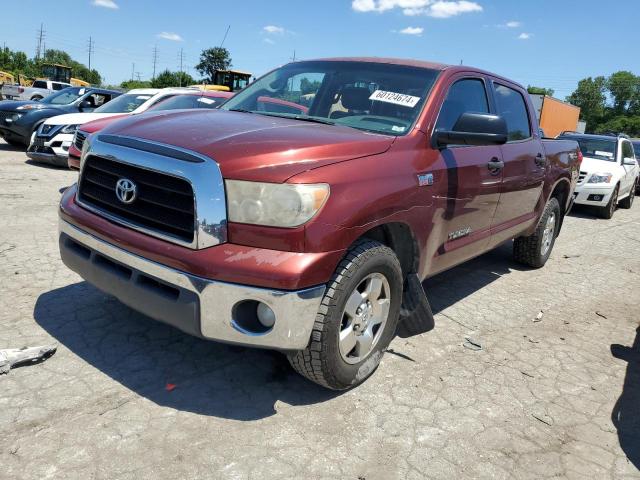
[310, 232]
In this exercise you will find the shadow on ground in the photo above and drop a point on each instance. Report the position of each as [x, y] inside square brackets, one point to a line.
[7, 147]
[144, 356]
[626, 412]
[448, 288]
[210, 378]
[48, 166]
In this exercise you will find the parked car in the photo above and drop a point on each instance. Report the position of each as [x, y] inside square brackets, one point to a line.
[18, 120]
[51, 142]
[191, 99]
[39, 90]
[609, 172]
[636, 149]
[307, 233]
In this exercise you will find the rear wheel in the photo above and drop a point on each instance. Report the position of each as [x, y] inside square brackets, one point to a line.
[535, 249]
[607, 211]
[628, 202]
[356, 321]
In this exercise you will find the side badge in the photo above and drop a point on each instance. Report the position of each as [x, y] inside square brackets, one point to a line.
[425, 179]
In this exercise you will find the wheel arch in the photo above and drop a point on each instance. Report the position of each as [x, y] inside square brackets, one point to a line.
[399, 237]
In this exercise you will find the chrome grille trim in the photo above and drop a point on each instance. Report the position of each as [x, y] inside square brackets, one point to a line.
[210, 226]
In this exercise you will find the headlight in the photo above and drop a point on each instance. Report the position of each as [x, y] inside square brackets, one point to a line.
[69, 129]
[274, 204]
[31, 106]
[13, 118]
[600, 178]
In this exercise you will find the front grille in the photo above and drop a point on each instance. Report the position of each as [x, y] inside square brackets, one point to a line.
[582, 176]
[164, 204]
[79, 139]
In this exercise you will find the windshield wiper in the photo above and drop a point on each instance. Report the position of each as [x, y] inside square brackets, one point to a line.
[241, 110]
[304, 118]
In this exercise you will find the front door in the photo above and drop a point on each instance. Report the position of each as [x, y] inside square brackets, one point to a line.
[469, 182]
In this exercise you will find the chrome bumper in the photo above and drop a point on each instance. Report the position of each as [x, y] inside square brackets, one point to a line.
[196, 305]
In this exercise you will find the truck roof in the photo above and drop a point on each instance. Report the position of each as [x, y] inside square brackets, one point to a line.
[414, 63]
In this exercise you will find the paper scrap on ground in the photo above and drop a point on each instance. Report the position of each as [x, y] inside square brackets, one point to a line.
[13, 356]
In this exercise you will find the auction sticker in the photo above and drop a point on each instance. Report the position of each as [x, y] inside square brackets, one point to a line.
[603, 154]
[395, 98]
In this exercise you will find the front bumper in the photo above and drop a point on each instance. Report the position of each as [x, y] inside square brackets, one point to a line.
[196, 305]
[593, 194]
[54, 150]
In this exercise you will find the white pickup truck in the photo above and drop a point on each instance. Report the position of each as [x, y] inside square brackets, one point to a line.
[39, 90]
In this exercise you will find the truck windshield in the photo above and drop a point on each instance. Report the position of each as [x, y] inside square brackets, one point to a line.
[64, 97]
[123, 104]
[597, 148]
[377, 97]
[636, 148]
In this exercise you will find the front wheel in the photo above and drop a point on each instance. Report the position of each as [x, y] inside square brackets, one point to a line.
[628, 202]
[356, 321]
[535, 249]
[608, 210]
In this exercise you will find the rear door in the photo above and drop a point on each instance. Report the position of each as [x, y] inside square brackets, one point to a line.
[472, 186]
[524, 160]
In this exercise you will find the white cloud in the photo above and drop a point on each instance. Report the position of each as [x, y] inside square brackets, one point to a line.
[106, 4]
[513, 24]
[274, 30]
[525, 36]
[174, 37]
[431, 8]
[417, 31]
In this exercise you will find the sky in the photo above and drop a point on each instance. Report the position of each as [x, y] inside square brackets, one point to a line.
[545, 43]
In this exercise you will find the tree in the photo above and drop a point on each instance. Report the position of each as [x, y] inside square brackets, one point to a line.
[172, 79]
[624, 88]
[540, 91]
[591, 97]
[307, 86]
[129, 84]
[212, 59]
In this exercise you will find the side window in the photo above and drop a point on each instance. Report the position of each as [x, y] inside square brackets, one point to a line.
[468, 95]
[58, 86]
[39, 84]
[512, 107]
[627, 150]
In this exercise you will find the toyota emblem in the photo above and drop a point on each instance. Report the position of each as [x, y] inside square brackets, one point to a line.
[126, 191]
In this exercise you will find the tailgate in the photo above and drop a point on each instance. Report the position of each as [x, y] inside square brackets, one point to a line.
[11, 91]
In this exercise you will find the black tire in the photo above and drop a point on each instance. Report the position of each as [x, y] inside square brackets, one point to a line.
[534, 250]
[628, 202]
[322, 362]
[608, 210]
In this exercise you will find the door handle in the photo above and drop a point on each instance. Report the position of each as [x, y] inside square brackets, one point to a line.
[495, 166]
[541, 160]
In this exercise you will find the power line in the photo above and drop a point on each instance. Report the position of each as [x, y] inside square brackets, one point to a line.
[181, 62]
[41, 34]
[155, 61]
[91, 50]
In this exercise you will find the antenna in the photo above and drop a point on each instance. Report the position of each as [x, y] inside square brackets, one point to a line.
[225, 36]
[181, 60]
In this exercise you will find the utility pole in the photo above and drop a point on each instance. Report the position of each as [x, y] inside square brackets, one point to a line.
[155, 61]
[41, 33]
[91, 48]
[138, 75]
[293, 59]
[181, 60]
[133, 69]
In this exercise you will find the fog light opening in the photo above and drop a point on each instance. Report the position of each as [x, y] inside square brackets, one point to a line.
[253, 317]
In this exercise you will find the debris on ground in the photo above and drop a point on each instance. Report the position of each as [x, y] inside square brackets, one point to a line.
[472, 344]
[539, 316]
[169, 387]
[546, 419]
[12, 357]
[601, 315]
[571, 256]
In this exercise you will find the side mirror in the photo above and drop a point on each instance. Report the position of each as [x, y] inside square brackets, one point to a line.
[629, 161]
[85, 106]
[473, 129]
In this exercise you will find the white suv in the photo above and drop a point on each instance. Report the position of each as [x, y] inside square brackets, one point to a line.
[608, 174]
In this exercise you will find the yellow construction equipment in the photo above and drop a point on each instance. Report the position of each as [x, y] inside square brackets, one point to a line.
[227, 81]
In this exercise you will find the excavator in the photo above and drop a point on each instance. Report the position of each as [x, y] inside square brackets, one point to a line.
[227, 81]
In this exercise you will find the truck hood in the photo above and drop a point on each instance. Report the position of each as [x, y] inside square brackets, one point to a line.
[77, 118]
[253, 146]
[96, 125]
[10, 106]
[593, 165]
